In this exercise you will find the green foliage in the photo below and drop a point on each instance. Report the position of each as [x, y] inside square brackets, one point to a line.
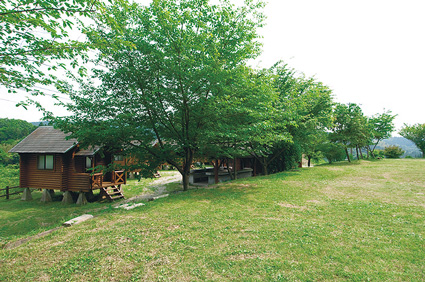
[288, 154]
[416, 134]
[14, 129]
[173, 73]
[381, 126]
[11, 132]
[9, 175]
[300, 114]
[350, 127]
[5, 156]
[333, 152]
[32, 34]
[307, 106]
[379, 153]
[393, 152]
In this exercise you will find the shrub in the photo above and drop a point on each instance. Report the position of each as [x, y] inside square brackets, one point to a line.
[393, 152]
[379, 153]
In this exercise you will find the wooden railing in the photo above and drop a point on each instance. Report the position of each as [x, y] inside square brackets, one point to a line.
[97, 181]
[8, 194]
[118, 177]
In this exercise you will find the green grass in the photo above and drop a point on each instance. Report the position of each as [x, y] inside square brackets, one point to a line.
[342, 222]
[136, 187]
[18, 219]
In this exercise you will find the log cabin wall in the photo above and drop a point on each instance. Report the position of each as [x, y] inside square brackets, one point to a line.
[79, 164]
[33, 177]
[23, 167]
[78, 178]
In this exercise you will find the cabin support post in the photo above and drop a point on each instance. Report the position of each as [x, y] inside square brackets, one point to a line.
[82, 200]
[26, 196]
[46, 196]
[67, 198]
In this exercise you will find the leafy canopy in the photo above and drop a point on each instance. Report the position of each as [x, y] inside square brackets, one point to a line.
[169, 72]
[33, 34]
[416, 134]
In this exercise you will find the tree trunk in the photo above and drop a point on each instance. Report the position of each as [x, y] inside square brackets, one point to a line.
[309, 161]
[216, 166]
[264, 163]
[348, 156]
[186, 169]
[371, 152]
[228, 170]
[361, 154]
[235, 173]
[185, 176]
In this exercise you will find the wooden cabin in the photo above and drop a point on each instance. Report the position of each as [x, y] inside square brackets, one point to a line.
[48, 160]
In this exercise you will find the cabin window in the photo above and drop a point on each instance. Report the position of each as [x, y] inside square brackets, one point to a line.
[45, 162]
[89, 162]
[118, 157]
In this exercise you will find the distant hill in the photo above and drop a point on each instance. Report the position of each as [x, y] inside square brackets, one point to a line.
[39, 123]
[408, 146]
[14, 129]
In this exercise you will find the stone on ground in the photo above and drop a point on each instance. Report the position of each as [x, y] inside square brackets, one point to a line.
[77, 220]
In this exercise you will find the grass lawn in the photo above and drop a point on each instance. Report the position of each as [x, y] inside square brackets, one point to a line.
[342, 222]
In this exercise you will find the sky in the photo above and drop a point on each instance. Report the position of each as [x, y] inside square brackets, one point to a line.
[368, 52]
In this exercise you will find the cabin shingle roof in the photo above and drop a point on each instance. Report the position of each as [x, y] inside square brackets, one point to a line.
[45, 139]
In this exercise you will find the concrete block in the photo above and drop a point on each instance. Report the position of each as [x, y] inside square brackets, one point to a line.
[82, 200]
[26, 196]
[46, 197]
[67, 198]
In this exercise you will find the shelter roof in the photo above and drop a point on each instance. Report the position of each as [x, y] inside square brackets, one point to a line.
[45, 139]
[91, 151]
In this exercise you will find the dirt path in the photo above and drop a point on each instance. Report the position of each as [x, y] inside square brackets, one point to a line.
[159, 185]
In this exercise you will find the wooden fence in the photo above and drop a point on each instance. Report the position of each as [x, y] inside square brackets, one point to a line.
[8, 194]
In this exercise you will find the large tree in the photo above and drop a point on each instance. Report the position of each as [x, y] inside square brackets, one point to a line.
[416, 134]
[350, 127]
[381, 126]
[168, 71]
[306, 105]
[33, 34]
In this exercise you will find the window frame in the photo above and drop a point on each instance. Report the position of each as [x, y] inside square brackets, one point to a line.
[118, 158]
[43, 162]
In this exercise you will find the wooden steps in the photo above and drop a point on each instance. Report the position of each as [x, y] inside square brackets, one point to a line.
[112, 192]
